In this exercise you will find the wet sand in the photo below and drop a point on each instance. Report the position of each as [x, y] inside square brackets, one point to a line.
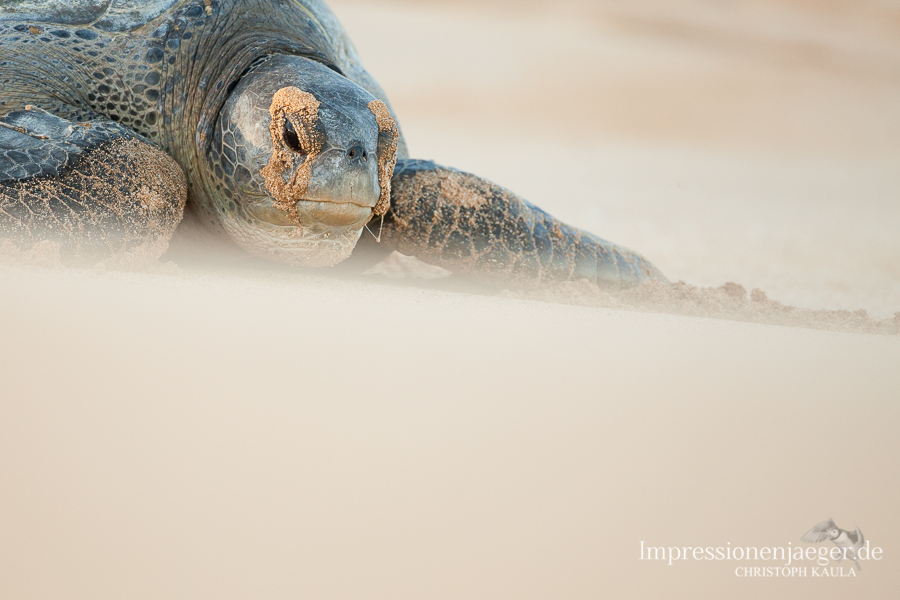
[238, 430]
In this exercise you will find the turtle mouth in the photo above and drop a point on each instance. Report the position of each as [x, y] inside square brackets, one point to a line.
[344, 214]
[313, 213]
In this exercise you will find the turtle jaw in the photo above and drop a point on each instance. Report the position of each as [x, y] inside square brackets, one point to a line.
[314, 233]
[335, 214]
[313, 214]
[267, 234]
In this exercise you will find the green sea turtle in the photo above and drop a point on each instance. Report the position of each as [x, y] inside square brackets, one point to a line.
[253, 120]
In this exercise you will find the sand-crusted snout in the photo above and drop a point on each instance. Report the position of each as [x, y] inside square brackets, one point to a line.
[298, 142]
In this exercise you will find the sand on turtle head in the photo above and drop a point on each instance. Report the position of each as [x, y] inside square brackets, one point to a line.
[387, 156]
[302, 110]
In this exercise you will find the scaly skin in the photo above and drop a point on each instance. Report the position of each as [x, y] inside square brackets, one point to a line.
[165, 81]
[467, 224]
[96, 190]
[168, 79]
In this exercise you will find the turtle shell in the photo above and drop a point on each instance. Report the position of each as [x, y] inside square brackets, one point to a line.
[106, 15]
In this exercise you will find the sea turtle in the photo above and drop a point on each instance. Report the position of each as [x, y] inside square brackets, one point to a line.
[253, 120]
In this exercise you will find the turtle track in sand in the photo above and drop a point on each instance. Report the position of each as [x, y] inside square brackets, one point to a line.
[729, 301]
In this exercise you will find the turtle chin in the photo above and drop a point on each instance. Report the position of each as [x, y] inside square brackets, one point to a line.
[316, 231]
[325, 235]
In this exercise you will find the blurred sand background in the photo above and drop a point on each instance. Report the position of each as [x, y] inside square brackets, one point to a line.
[256, 432]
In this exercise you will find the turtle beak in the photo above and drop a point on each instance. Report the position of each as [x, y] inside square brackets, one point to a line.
[345, 175]
[310, 213]
[341, 191]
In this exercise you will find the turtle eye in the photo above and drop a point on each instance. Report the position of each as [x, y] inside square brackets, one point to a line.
[291, 139]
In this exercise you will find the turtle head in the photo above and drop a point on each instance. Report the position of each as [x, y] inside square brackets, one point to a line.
[301, 160]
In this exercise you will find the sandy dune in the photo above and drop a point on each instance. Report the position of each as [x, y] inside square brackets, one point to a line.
[240, 430]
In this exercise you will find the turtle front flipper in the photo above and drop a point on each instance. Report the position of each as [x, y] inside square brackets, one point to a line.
[95, 189]
[469, 225]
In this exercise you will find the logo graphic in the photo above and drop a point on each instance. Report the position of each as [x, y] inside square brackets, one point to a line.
[848, 542]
